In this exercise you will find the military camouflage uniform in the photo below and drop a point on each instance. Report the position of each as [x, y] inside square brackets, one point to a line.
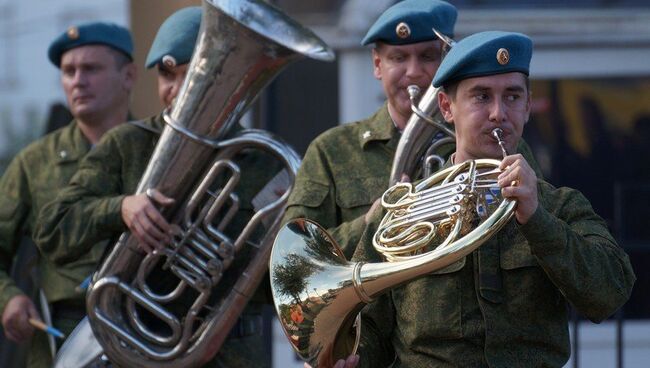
[32, 179]
[89, 209]
[345, 170]
[506, 304]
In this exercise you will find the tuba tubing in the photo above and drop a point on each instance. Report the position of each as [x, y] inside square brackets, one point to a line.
[421, 130]
[423, 125]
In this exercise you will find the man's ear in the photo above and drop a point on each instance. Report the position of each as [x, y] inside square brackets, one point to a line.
[130, 76]
[376, 63]
[444, 103]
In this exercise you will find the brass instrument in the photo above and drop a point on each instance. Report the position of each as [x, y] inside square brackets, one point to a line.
[242, 46]
[424, 133]
[442, 220]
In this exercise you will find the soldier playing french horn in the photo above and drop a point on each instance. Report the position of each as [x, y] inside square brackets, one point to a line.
[505, 304]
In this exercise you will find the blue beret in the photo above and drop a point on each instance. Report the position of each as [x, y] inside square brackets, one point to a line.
[485, 53]
[96, 33]
[412, 21]
[174, 42]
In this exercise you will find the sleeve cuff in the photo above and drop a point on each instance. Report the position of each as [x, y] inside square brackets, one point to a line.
[7, 294]
[113, 215]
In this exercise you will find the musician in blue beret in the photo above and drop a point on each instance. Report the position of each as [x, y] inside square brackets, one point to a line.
[505, 304]
[407, 51]
[97, 75]
[347, 168]
[404, 51]
[101, 199]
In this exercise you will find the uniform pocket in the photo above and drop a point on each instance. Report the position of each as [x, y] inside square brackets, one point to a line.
[526, 284]
[516, 254]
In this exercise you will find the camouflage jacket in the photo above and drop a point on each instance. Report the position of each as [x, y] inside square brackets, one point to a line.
[32, 179]
[506, 304]
[89, 209]
[346, 169]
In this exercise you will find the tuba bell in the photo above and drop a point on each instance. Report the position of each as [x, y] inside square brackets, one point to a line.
[242, 45]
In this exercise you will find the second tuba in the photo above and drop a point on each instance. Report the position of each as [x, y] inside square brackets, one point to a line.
[426, 132]
[135, 315]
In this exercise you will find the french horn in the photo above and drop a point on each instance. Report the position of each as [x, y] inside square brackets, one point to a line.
[426, 228]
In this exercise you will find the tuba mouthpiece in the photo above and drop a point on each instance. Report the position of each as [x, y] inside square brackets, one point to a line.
[413, 91]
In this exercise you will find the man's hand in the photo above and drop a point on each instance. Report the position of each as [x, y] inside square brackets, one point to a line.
[518, 181]
[145, 221]
[15, 318]
[350, 362]
[376, 204]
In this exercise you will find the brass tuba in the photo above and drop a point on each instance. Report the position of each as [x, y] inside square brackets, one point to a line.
[242, 46]
[318, 294]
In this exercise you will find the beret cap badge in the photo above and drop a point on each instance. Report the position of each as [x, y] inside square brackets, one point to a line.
[403, 30]
[503, 56]
[169, 61]
[73, 33]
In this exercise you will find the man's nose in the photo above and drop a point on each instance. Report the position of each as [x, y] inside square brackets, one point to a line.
[79, 77]
[414, 68]
[497, 111]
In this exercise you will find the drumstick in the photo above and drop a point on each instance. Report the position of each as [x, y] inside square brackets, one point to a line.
[49, 329]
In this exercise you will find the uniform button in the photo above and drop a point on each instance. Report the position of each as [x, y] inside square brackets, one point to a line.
[63, 154]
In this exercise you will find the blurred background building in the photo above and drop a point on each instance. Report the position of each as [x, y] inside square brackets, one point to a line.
[590, 127]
